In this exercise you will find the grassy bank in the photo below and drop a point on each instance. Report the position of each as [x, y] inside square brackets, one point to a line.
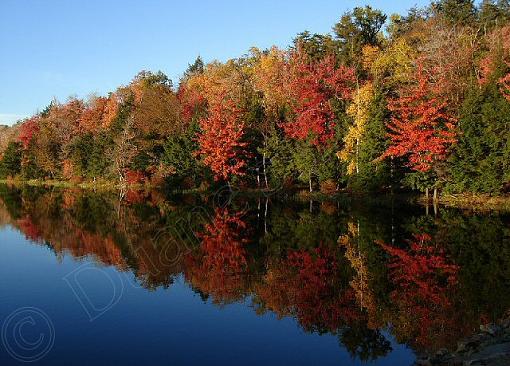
[98, 185]
[474, 202]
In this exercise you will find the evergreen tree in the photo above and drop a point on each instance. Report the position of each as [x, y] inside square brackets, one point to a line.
[373, 174]
[356, 29]
[461, 12]
[178, 155]
[279, 152]
[481, 160]
[10, 164]
[493, 13]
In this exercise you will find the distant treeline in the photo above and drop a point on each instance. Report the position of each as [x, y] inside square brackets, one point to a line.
[418, 101]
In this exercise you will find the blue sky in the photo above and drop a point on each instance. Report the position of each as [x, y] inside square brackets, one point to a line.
[59, 48]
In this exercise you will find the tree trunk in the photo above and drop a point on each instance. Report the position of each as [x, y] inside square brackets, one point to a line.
[427, 194]
[310, 183]
[257, 169]
[265, 216]
[357, 156]
[391, 174]
[435, 195]
[264, 168]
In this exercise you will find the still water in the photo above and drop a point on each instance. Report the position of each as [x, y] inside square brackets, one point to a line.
[140, 278]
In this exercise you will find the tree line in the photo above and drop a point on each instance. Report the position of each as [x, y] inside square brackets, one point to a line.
[420, 101]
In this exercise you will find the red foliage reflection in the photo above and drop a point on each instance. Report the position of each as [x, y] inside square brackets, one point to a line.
[424, 279]
[219, 267]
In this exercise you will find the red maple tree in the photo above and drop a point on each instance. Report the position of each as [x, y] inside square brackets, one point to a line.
[92, 117]
[420, 127]
[220, 140]
[192, 102]
[27, 131]
[313, 86]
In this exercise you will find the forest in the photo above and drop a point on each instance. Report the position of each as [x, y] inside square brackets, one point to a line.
[419, 101]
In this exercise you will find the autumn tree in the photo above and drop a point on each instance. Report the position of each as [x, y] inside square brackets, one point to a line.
[220, 141]
[359, 110]
[365, 140]
[391, 67]
[447, 55]
[420, 129]
[156, 109]
[224, 89]
[124, 151]
[92, 117]
[315, 86]
[27, 131]
[269, 77]
[26, 136]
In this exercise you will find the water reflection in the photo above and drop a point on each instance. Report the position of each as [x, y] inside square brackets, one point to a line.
[359, 272]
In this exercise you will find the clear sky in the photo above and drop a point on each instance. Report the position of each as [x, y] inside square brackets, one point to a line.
[58, 48]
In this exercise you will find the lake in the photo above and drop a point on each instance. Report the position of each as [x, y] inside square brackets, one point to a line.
[134, 278]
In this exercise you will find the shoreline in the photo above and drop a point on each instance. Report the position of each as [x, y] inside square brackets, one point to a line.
[489, 346]
[464, 201]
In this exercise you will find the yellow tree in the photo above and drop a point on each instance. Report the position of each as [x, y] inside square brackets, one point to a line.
[218, 79]
[359, 110]
[393, 66]
[269, 78]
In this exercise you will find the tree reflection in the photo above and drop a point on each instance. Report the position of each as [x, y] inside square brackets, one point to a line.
[219, 266]
[424, 280]
[332, 270]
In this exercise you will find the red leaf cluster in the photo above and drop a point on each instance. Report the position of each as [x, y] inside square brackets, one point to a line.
[219, 266]
[424, 280]
[27, 131]
[220, 140]
[134, 176]
[313, 85]
[191, 102]
[92, 117]
[307, 285]
[420, 128]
